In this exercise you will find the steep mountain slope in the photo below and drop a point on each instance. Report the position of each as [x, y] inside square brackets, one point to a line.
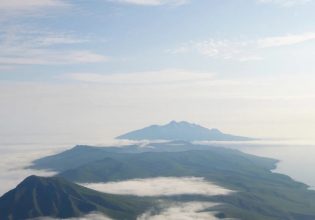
[180, 131]
[56, 197]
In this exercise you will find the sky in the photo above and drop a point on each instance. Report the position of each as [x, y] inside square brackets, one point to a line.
[87, 71]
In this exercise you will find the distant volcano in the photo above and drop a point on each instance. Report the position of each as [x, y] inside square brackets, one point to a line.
[181, 131]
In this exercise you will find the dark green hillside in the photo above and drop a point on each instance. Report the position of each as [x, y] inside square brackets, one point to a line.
[56, 197]
[77, 156]
[261, 193]
[215, 162]
[82, 154]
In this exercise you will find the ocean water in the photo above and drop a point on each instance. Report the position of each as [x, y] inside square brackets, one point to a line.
[296, 161]
[297, 157]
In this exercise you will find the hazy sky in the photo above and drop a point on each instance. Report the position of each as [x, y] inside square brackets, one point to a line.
[91, 70]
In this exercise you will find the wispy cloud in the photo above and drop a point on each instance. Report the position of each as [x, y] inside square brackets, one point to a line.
[152, 2]
[287, 40]
[46, 57]
[164, 186]
[24, 45]
[152, 77]
[30, 4]
[18, 8]
[219, 49]
[19, 46]
[241, 50]
[286, 3]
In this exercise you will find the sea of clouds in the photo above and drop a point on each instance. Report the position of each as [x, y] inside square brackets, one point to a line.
[14, 163]
[161, 186]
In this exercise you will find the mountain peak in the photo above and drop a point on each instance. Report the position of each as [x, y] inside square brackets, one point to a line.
[56, 197]
[31, 178]
[172, 122]
[181, 130]
[32, 181]
[179, 123]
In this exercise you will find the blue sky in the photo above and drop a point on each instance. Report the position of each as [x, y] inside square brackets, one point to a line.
[246, 66]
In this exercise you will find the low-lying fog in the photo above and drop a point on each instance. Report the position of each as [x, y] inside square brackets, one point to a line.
[169, 211]
[161, 186]
[15, 159]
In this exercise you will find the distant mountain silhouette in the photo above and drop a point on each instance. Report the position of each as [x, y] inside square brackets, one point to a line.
[180, 131]
[55, 197]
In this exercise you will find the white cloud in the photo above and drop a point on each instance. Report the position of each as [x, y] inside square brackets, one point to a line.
[26, 45]
[241, 50]
[169, 211]
[161, 186]
[29, 8]
[168, 186]
[152, 2]
[286, 3]
[29, 4]
[219, 49]
[285, 40]
[182, 211]
[153, 77]
[51, 57]
[14, 160]
[20, 46]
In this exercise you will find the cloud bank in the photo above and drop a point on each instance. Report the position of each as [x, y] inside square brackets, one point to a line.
[13, 161]
[169, 211]
[182, 211]
[161, 186]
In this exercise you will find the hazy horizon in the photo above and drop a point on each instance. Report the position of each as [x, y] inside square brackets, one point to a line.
[102, 68]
